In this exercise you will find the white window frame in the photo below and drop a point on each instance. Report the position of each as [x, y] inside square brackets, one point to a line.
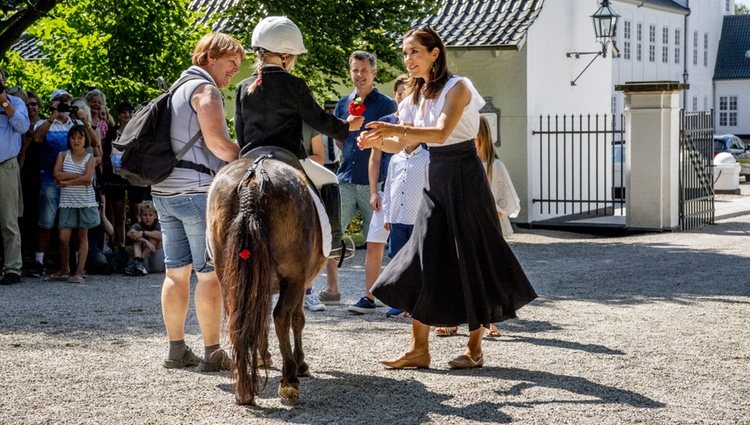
[728, 111]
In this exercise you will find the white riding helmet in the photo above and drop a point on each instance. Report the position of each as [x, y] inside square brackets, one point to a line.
[278, 34]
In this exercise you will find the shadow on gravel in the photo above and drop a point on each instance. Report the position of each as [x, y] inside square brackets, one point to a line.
[348, 398]
[339, 397]
[627, 273]
[558, 343]
[596, 393]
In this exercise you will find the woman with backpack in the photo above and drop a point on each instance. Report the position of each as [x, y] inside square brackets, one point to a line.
[272, 104]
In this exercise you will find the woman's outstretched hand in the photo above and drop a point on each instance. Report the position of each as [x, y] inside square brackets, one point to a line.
[373, 137]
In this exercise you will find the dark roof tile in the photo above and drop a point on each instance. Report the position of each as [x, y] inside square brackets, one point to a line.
[732, 59]
[483, 23]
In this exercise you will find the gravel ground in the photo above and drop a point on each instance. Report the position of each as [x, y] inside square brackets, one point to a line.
[641, 329]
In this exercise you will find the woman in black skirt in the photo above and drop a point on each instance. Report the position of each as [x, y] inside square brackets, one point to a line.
[456, 268]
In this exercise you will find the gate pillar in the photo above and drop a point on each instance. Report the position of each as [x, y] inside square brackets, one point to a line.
[652, 132]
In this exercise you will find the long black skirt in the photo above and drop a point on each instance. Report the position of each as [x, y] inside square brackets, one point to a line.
[456, 268]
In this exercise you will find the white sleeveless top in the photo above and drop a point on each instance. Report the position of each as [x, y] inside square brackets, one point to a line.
[81, 196]
[427, 112]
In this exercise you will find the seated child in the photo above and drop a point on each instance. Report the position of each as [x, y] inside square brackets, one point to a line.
[146, 238]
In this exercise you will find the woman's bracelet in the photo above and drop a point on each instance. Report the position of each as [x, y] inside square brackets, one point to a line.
[403, 137]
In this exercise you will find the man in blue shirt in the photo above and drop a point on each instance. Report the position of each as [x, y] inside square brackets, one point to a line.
[14, 122]
[354, 182]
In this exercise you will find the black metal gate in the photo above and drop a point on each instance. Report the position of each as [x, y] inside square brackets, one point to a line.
[581, 165]
[696, 169]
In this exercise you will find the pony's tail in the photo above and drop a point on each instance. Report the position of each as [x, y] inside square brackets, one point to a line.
[247, 291]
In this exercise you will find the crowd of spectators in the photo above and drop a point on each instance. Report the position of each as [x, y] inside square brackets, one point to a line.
[120, 205]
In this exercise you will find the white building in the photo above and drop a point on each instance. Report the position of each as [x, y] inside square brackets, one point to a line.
[732, 78]
[515, 52]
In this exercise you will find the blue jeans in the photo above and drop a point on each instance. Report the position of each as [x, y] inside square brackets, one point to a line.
[183, 227]
[49, 202]
[400, 234]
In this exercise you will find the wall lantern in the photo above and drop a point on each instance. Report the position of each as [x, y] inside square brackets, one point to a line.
[605, 28]
[493, 115]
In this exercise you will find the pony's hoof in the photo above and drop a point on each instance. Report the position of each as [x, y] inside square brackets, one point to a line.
[264, 361]
[247, 402]
[289, 393]
[303, 370]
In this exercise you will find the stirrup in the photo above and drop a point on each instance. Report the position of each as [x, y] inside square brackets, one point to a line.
[347, 249]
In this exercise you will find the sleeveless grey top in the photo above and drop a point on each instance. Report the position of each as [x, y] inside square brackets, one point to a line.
[185, 125]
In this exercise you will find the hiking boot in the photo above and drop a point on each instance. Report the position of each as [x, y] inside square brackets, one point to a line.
[329, 298]
[217, 361]
[363, 306]
[312, 303]
[188, 359]
[10, 279]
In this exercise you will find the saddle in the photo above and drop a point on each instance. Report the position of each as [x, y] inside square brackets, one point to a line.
[279, 154]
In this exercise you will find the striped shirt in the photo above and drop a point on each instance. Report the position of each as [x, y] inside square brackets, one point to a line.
[79, 196]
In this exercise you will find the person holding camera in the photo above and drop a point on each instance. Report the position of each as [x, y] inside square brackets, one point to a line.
[52, 133]
[14, 122]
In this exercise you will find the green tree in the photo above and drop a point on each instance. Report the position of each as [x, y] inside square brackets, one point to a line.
[334, 28]
[740, 9]
[120, 46]
[17, 15]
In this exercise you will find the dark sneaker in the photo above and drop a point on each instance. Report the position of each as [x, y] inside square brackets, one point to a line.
[10, 279]
[130, 269]
[363, 306]
[218, 360]
[188, 359]
[393, 312]
[35, 269]
[329, 298]
[139, 269]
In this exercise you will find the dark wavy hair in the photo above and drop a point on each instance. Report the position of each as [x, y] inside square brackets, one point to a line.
[439, 74]
[79, 129]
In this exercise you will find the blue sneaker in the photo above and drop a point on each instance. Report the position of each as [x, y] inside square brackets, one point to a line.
[393, 312]
[363, 306]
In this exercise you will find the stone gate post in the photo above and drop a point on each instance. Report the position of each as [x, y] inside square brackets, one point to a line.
[652, 131]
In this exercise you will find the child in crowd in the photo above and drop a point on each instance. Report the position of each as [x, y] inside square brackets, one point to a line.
[74, 172]
[402, 196]
[507, 202]
[146, 238]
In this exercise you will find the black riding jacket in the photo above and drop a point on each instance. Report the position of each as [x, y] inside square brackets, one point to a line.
[273, 113]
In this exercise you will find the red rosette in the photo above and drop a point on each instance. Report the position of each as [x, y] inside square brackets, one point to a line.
[357, 107]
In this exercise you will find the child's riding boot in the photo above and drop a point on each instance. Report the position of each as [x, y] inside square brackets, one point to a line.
[331, 198]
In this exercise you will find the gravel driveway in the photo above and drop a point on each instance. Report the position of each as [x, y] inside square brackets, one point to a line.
[641, 329]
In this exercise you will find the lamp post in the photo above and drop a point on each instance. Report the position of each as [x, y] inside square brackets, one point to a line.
[605, 28]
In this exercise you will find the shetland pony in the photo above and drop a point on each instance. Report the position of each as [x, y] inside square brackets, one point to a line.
[265, 237]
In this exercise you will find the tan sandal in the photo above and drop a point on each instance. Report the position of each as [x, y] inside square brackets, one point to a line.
[493, 331]
[446, 330]
[465, 362]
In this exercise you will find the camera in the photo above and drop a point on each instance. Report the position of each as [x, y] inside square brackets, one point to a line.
[63, 107]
